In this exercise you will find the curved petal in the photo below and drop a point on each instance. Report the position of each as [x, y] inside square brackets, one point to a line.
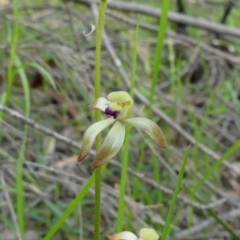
[123, 236]
[90, 135]
[151, 128]
[148, 234]
[111, 145]
[100, 103]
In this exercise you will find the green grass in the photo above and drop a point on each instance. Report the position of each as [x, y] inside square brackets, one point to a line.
[71, 207]
[155, 75]
[20, 160]
[167, 228]
[125, 154]
[156, 67]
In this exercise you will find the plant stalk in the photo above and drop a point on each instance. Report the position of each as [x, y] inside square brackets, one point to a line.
[100, 25]
[126, 142]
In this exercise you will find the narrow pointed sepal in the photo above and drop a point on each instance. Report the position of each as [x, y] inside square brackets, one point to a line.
[148, 234]
[111, 145]
[90, 135]
[123, 236]
[151, 128]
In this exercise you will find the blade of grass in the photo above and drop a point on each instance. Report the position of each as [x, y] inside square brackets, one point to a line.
[137, 182]
[199, 130]
[158, 53]
[167, 228]
[20, 160]
[213, 214]
[55, 209]
[208, 174]
[9, 189]
[45, 73]
[71, 207]
[96, 177]
[156, 65]
[126, 141]
[13, 40]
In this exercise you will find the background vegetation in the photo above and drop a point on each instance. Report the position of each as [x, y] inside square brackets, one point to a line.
[47, 82]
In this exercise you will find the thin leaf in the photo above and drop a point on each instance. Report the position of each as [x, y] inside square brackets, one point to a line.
[44, 72]
[174, 198]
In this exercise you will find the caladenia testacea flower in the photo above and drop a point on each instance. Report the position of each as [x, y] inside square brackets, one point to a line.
[118, 107]
[144, 234]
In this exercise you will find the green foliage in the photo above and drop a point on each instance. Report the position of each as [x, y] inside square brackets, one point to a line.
[46, 47]
[125, 154]
[167, 228]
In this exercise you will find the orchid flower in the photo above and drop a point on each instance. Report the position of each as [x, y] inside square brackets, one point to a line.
[118, 107]
[144, 234]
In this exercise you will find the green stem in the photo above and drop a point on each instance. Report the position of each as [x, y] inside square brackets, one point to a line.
[13, 39]
[126, 142]
[123, 181]
[97, 219]
[167, 228]
[101, 16]
[158, 52]
[20, 160]
[156, 67]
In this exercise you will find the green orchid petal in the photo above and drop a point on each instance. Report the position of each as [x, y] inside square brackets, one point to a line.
[148, 234]
[91, 134]
[151, 128]
[111, 145]
[123, 236]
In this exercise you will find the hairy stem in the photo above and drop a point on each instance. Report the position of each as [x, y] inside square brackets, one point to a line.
[100, 25]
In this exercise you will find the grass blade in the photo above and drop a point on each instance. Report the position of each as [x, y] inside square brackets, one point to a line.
[208, 174]
[174, 198]
[72, 206]
[126, 141]
[20, 160]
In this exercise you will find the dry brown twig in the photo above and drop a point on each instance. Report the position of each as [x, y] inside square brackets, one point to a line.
[172, 16]
[156, 110]
[144, 9]
[201, 226]
[10, 206]
[184, 40]
[74, 144]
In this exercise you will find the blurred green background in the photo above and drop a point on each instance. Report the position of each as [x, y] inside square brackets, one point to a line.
[47, 76]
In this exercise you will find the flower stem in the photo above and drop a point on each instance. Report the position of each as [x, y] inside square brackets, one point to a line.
[97, 219]
[101, 16]
[123, 181]
[126, 142]
[97, 84]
